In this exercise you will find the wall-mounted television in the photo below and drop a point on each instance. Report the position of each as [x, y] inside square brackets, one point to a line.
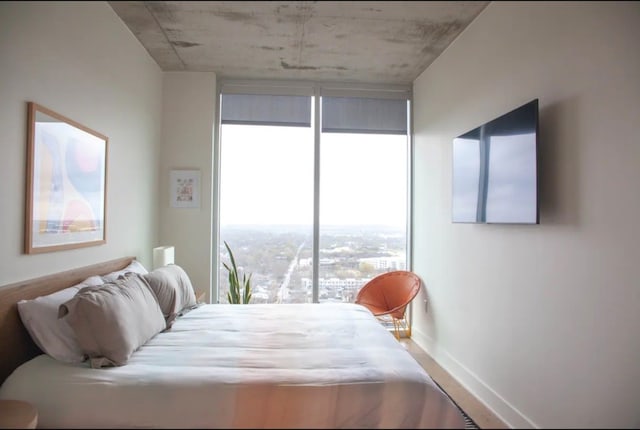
[495, 170]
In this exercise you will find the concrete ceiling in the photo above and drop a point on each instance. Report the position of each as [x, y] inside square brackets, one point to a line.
[360, 41]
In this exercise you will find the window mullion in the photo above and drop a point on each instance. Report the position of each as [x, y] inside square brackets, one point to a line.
[315, 254]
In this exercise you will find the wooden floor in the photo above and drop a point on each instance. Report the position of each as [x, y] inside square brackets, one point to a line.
[480, 414]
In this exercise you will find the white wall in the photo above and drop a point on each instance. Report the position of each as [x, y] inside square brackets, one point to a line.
[188, 117]
[541, 322]
[80, 60]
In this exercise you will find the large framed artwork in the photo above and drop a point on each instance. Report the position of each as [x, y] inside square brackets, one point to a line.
[66, 183]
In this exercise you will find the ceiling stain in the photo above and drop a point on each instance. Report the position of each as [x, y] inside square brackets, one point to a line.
[440, 31]
[235, 16]
[182, 44]
[288, 66]
[271, 48]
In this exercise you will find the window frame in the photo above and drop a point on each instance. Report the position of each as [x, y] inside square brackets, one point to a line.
[317, 90]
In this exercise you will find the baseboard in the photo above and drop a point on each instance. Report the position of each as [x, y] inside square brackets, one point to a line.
[474, 385]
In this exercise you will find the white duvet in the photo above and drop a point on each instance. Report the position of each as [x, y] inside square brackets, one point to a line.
[246, 366]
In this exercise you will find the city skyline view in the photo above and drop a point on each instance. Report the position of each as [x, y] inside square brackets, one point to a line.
[279, 260]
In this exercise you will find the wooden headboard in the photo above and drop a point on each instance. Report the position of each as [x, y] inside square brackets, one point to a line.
[15, 341]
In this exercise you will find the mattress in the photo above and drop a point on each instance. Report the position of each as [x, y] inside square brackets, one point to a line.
[246, 366]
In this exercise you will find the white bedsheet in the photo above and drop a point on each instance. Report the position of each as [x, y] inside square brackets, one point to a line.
[251, 366]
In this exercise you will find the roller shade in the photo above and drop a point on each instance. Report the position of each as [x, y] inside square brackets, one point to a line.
[258, 109]
[364, 115]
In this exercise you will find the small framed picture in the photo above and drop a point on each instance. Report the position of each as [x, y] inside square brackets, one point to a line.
[185, 188]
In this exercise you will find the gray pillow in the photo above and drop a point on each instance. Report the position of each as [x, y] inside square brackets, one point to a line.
[134, 267]
[173, 289]
[113, 320]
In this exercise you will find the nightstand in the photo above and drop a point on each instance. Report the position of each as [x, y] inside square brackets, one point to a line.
[17, 414]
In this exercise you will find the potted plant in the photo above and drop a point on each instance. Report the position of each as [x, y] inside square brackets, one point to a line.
[239, 292]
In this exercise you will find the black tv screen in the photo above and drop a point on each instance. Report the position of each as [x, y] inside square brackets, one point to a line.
[495, 170]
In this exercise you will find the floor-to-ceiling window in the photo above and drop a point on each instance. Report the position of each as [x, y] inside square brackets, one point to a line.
[266, 206]
[313, 190]
[363, 191]
[363, 211]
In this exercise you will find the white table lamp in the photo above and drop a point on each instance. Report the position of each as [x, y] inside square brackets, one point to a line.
[162, 256]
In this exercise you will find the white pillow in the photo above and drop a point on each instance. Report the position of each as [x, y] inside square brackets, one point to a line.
[135, 266]
[54, 336]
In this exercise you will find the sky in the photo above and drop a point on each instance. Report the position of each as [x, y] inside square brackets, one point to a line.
[267, 177]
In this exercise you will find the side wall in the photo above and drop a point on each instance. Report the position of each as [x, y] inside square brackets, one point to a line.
[80, 60]
[188, 118]
[541, 322]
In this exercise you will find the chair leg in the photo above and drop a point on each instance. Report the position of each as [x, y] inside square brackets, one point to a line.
[401, 323]
[397, 325]
[407, 328]
[396, 328]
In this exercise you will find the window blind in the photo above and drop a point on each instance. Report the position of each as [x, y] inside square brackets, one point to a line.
[364, 115]
[260, 109]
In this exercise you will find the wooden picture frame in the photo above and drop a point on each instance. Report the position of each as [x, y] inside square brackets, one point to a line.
[184, 186]
[66, 183]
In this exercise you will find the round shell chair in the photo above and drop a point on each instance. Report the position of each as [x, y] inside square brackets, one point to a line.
[388, 295]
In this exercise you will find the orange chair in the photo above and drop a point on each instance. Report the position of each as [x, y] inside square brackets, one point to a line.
[387, 296]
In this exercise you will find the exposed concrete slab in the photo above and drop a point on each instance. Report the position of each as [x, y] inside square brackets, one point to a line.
[383, 41]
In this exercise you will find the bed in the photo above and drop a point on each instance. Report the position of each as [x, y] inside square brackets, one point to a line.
[229, 366]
